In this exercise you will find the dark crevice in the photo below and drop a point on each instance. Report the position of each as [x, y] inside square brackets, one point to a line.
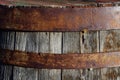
[99, 39]
[62, 43]
[79, 43]
[62, 51]
[99, 48]
[11, 76]
[14, 41]
[49, 41]
[83, 39]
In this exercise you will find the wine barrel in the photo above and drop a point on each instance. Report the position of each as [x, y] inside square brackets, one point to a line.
[81, 41]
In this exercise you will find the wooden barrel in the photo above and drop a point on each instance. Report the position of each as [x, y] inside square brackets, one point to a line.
[60, 42]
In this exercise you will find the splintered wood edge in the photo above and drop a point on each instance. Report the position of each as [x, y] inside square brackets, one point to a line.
[59, 3]
[59, 19]
[59, 61]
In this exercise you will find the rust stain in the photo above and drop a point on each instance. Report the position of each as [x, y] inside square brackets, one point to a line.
[68, 77]
[59, 61]
[59, 19]
[112, 74]
[111, 41]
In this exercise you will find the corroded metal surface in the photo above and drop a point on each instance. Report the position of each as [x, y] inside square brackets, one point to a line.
[59, 19]
[60, 61]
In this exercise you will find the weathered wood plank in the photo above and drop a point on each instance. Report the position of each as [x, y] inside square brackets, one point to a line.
[50, 42]
[6, 42]
[55, 47]
[26, 41]
[71, 43]
[89, 44]
[44, 46]
[110, 41]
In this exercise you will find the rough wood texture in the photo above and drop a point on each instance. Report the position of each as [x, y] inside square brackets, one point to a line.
[55, 47]
[110, 41]
[44, 46]
[6, 42]
[71, 44]
[49, 42]
[25, 42]
[90, 44]
[59, 19]
[107, 43]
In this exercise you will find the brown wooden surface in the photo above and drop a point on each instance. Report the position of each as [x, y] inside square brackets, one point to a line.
[60, 61]
[59, 19]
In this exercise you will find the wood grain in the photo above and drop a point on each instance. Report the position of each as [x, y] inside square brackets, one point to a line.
[89, 44]
[71, 44]
[6, 42]
[55, 47]
[49, 42]
[44, 46]
[110, 41]
[25, 41]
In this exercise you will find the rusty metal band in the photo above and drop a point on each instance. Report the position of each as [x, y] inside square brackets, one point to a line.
[59, 61]
[59, 19]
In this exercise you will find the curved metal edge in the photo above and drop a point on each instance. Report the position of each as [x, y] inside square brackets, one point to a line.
[59, 61]
[59, 19]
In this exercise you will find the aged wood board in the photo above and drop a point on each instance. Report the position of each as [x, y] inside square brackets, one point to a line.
[71, 43]
[89, 42]
[106, 38]
[6, 42]
[110, 41]
[21, 41]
